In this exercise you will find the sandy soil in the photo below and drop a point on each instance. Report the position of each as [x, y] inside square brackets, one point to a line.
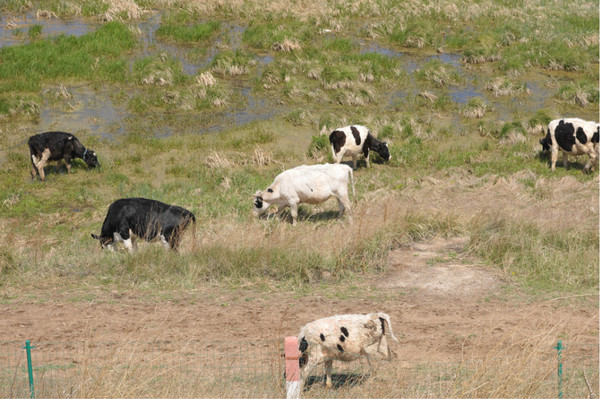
[443, 307]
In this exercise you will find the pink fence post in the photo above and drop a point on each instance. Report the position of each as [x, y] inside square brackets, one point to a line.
[292, 368]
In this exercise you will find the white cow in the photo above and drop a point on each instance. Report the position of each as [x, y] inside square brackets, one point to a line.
[304, 184]
[573, 136]
[343, 337]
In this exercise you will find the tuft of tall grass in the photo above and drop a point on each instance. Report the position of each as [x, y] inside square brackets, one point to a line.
[581, 93]
[562, 260]
[439, 74]
[503, 86]
[229, 63]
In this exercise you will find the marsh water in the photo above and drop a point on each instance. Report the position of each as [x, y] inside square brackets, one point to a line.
[96, 110]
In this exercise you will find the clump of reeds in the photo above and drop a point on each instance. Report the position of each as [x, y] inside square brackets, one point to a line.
[287, 45]
[206, 79]
[475, 108]
[217, 159]
[502, 86]
[438, 74]
[122, 9]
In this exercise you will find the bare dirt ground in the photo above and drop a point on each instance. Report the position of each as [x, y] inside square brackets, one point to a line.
[443, 307]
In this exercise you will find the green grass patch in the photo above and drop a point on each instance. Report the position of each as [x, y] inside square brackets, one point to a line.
[96, 56]
[188, 34]
[264, 36]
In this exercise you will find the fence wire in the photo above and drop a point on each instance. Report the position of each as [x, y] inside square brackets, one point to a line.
[255, 369]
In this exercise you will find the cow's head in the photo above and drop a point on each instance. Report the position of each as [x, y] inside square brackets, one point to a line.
[90, 158]
[263, 199]
[260, 206]
[546, 142]
[383, 151]
[105, 242]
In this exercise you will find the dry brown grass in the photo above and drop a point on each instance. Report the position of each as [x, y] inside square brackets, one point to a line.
[521, 363]
[218, 159]
[287, 46]
[122, 9]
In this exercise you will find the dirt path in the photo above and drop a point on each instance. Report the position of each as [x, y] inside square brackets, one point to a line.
[443, 307]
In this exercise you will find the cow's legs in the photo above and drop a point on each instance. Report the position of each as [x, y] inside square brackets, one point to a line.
[592, 162]
[344, 206]
[294, 213]
[553, 158]
[42, 162]
[34, 170]
[367, 160]
[164, 241]
[339, 156]
[328, 367]
[565, 160]
[306, 370]
[125, 235]
[280, 210]
[354, 161]
[128, 244]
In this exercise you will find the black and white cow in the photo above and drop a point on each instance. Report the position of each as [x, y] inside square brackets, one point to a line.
[343, 337]
[573, 136]
[56, 146]
[355, 140]
[144, 218]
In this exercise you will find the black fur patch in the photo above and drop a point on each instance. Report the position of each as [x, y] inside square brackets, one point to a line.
[382, 325]
[258, 202]
[337, 138]
[368, 144]
[356, 134]
[565, 135]
[270, 190]
[340, 348]
[303, 345]
[302, 348]
[322, 337]
[595, 136]
[581, 136]
[342, 338]
[345, 331]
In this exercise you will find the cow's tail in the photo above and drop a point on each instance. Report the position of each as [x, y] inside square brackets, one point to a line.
[194, 235]
[352, 181]
[386, 317]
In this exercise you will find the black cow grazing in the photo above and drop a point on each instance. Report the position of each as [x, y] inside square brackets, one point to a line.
[56, 146]
[573, 136]
[144, 218]
[355, 140]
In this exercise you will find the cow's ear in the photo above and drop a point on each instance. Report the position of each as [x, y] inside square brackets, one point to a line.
[95, 237]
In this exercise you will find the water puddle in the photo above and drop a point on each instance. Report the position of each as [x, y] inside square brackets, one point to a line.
[95, 111]
[14, 29]
[86, 109]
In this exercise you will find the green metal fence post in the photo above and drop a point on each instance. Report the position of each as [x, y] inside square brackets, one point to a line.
[559, 348]
[29, 368]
